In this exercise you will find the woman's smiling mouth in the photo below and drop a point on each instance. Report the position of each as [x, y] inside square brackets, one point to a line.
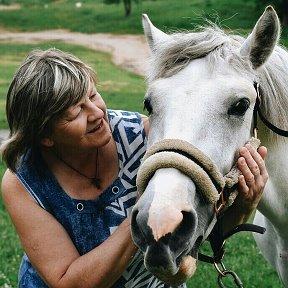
[97, 127]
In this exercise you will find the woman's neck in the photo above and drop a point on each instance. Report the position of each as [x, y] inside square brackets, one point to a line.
[77, 171]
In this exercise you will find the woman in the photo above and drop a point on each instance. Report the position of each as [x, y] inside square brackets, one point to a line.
[70, 182]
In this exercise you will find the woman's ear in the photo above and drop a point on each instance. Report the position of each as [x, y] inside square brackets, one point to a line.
[47, 142]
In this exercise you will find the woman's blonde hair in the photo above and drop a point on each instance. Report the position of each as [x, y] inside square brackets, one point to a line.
[45, 85]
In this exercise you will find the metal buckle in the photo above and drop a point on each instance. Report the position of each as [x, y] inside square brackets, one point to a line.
[223, 272]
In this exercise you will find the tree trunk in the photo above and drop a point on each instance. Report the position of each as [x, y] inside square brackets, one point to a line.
[284, 11]
[127, 5]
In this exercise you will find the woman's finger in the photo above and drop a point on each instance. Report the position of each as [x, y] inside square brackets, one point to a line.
[251, 157]
[246, 171]
[243, 188]
[259, 157]
[262, 150]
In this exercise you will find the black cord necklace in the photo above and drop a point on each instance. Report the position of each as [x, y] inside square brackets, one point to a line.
[94, 180]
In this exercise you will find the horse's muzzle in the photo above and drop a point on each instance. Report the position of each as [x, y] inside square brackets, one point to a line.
[163, 247]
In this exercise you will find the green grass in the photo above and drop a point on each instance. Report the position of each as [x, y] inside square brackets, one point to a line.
[10, 248]
[243, 257]
[92, 16]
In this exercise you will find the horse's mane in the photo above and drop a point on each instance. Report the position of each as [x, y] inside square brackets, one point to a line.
[174, 54]
[273, 76]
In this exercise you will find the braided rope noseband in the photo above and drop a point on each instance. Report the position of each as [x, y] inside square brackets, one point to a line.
[181, 155]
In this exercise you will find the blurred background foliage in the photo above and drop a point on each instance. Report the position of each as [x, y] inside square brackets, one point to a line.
[92, 16]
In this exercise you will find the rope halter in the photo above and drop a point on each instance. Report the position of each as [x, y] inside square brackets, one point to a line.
[185, 157]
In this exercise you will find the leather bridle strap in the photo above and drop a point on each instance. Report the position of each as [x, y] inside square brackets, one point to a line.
[217, 240]
[257, 112]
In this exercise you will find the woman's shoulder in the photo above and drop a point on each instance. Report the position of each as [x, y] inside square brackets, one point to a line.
[9, 183]
[12, 190]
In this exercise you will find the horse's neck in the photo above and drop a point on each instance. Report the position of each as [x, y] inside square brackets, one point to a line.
[275, 198]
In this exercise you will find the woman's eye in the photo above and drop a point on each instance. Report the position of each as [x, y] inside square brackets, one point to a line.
[76, 114]
[240, 107]
[92, 97]
[147, 106]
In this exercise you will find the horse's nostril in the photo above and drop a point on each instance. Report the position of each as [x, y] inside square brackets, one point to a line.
[180, 238]
[136, 232]
[188, 223]
[133, 218]
[141, 233]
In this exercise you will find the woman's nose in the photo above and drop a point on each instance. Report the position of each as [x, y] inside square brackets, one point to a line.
[94, 112]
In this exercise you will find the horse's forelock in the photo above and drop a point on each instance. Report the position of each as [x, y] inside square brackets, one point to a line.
[173, 55]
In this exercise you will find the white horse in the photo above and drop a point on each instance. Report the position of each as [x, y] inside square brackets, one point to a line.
[201, 95]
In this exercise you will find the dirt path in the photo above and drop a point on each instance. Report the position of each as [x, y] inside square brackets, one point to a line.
[10, 7]
[128, 51]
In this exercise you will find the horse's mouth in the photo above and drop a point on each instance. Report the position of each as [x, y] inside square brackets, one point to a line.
[190, 252]
[165, 267]
[185, 271]
[183, 254]
[186, 265]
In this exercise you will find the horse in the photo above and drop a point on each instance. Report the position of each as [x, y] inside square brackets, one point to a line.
[202, 90]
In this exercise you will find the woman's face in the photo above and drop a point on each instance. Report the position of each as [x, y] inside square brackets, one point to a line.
[84, 126]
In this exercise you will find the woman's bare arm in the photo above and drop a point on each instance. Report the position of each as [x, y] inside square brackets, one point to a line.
[51, 250]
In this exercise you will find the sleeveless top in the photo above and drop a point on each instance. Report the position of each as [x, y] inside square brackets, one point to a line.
[90, 222]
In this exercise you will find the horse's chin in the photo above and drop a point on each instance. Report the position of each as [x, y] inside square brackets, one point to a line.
[160, 259]
[185, 271]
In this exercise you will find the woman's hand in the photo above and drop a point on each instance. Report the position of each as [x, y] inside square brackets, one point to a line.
[251, 185]
[252, 182]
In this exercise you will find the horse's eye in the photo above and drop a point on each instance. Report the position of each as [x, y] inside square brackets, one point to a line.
[147, 106]
[240, 107]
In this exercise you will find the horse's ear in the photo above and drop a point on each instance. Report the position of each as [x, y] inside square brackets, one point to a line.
[153, 34]
[261, 42]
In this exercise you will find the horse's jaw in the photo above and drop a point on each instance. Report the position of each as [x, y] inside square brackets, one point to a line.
[167, 228]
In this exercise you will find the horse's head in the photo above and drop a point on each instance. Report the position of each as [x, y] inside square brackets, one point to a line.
[201, 92]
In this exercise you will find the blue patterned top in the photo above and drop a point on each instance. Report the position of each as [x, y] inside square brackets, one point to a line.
[90, 222]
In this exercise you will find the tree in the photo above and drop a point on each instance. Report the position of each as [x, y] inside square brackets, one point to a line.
[127, 5]
[281, 7]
